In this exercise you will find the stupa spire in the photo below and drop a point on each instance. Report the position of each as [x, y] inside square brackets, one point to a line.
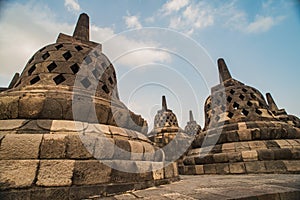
[224, 73]
[191, 116]
[164, 103]
[82, 30]
[271, 102]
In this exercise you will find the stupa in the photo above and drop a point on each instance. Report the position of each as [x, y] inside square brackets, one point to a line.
[64, 132]
[192, 128]
[243, 134]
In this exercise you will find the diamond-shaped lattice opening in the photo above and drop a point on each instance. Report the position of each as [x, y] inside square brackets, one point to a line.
[236, 105]
[86, 83]
[96, 73]
[217, 118]
[51, 67]
[88, 59]
[229, 99]
[96, 54]
[59, 79]
[223, 108]
[245, 112]
[208, 106]
[31, 70]
[232, 91]
[45, 56]
[78, 48]
[110, 80]
[242, 97]
[67, 55]
[249, 103]
[34, 80]
[105, 89]
[75, 68]
[244, 90]
[59, 46]
[252, 96]
[114, 74]
[258, 111]
[230, 115]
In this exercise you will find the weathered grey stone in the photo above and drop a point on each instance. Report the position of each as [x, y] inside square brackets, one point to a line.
[80, 146]
[53, 146]
[20, 146]
[17, 173]
[89, 172]
[137, 150]
[104, 148]
[210, 169]
[55, 173]
[275, 166]
[255, 167]
[292, 165]
[31, 106]
[9, 107]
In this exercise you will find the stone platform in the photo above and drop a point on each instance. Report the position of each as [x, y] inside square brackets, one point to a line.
[246, 187]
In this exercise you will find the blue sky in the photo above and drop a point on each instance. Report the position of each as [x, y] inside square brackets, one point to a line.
[258, 39]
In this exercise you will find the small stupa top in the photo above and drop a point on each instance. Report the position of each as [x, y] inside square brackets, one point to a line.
[165, 118]
[232, 101]
[192, 128]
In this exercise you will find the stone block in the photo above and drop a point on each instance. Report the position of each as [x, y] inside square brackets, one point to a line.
[137, 150]
[245, 135]
[283, 143]
[122, 149]
[52, 109]
[79, 147]
[282, 154]
[232, 136]
[249, 155]
[228, 147]
[295, 153]
[104, 148]
[210, 169]
[275, 166]
[222, 168]
[158, 170]
[237, 168]
[220, 157]
[241, 146]
[149, 151]
[144, 169]
[53, 146]
[55, 173]
[234, 157]
[17, 173]
[169, 170]
[124, 171]
[199, 169]
[207, 159]
[61, 193]
[257, 145]
[9, 107]
[292, 165]
[31, 106]
[255, 167]
[68, 126]
[12, 124]
[89, 172]
[20, 146]
[265, 154]
[190, 160]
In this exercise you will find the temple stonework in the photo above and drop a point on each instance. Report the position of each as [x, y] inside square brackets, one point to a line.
[64, 132]
[243, 133]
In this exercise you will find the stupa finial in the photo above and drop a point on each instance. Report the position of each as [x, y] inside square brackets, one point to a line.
[164, 103]
[271, 102]
[191, 116]
[82, 30]
[224, 73]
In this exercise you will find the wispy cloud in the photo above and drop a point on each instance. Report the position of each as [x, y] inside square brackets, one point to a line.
[263, 24]
[72, 5]
[132, 21]
[173, 6]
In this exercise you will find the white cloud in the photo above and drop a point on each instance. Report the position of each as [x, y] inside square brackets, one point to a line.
[72, 5]
[173, 6]
[263, 24]
[132, 21]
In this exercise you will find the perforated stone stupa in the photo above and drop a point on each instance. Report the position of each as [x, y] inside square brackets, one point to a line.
[243, 134]
[61, 116]
[192, 128]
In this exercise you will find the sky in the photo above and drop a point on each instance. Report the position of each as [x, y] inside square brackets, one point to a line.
[168, 47]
